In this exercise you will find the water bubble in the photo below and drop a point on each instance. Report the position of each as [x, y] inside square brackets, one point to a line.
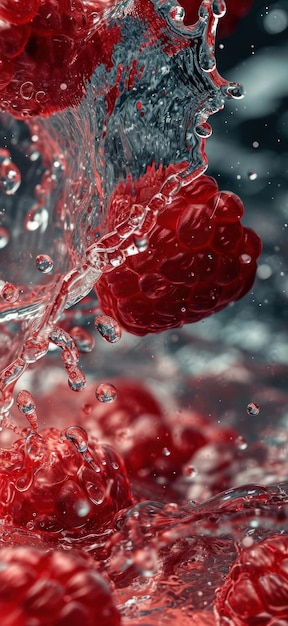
[108, 328]
[78, 437]
[10, 293]
[106, 392]
[83, 339]
[44, 263]
[253, 409]
[10, 177]
[4, 237]
[27, 90]
[252, 175]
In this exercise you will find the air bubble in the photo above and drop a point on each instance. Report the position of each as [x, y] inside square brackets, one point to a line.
[44, 263]
[108, 328]
[83, 339]
[4, 238]
[106, 392]
[10, 293]
[10, 177]
[253, 409]
[252, 175]
[27, 90]
[78, 437]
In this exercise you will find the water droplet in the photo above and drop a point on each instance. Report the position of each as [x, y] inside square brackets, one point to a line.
[4, 237]
[83, 339]
[76, 378]
[10, 177]
[245, 258]
[252, 175]
[253, 409]
[37, 218]
[30, 525]
[166, 452]
[78, 437]
[108, 328]
[10, 293]
[235, 91]
[106, 392]
[25, 402]
[241, 443]
[44, 263]
[35, 447]
[141, 243]
[82, 508]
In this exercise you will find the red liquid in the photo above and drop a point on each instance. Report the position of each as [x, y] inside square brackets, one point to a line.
[145, 494]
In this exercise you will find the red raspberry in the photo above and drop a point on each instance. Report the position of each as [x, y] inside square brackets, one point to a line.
[199, 259]
[54, 482]
[256, 590]
[48, 50]
[41, 588]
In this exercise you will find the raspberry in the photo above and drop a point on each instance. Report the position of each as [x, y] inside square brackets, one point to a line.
[199, 259]
[256, 589]
[52, 589]
[54, 482]
[48, 51]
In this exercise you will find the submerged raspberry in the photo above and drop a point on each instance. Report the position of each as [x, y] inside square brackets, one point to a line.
[199, 259]
[55, 482]
[256, 589]
[52, 589]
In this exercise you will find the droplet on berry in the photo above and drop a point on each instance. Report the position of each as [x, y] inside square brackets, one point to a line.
[106, 392]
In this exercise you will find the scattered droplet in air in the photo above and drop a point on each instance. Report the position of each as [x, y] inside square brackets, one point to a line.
[10, 177]
[252, 175]
[83, 339]
[253, 409]
[44, 263]
[10, 293]
[78, 437]
[4, 238]
[166, 452]
[108, 328]
[106, 392]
